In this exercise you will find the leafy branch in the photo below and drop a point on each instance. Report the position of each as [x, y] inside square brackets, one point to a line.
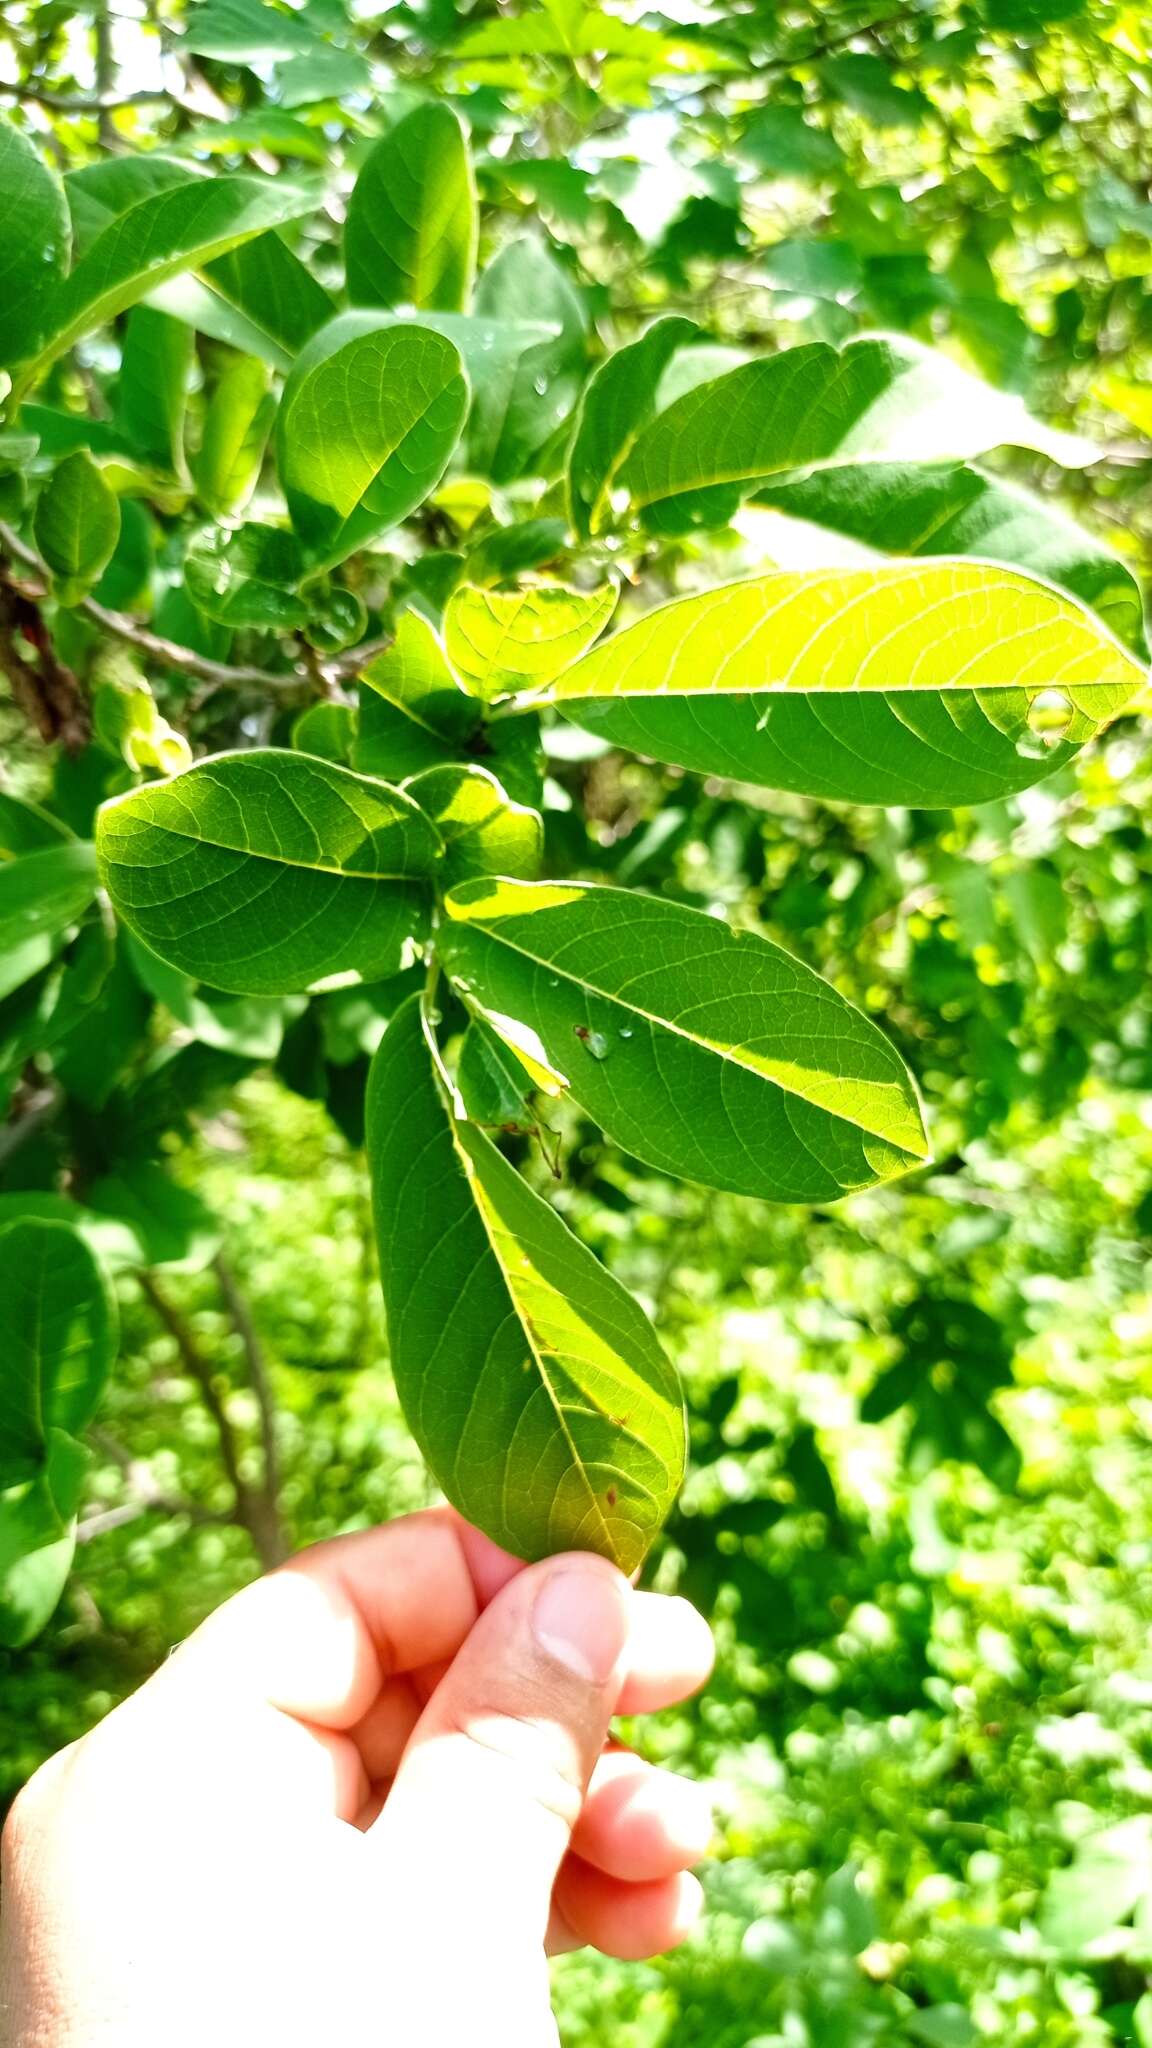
[215, 675]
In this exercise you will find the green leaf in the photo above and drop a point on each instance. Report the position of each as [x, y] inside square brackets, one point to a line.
[1097, 1893]
[506, 640]
[170, 1225]
[265, 284]
[243, 31]
[779, 140]
[484, 832]
[514, 418]
[37, 1541]
[25, 827]
[324, 73]
[492, 1083]
[327, 730]
[866, 85]
[181, 227]
[369, 418]
[412, 226]
[413, 712]
[709, 1053]
[619, 401]
[41, 895]
[59, 1323]
[917, 509]
[266, 128]
[531, 1380]
[77, 525]
[155, 366]
[265, 872]
[35, 239]
[881, 399]
[915, 683]
[237, 422]
[245, 576]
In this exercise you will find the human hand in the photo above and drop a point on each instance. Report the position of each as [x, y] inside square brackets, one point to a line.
[356, 1807]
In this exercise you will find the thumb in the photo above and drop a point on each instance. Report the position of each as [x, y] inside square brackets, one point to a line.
[494, 1776]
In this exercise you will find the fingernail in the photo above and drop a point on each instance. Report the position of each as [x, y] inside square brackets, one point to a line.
[580, 1619]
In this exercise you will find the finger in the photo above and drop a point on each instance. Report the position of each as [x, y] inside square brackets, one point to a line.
[382, 1735]
[639, 1823]
[670, 1653]
[629, 1921]
[319, 1637]
[492, 1781]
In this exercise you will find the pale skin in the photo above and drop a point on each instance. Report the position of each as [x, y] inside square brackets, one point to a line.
[360, 1805]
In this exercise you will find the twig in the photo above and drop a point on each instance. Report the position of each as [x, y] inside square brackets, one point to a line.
[82, 103]
[39, 1109]
[46, 691]
[215, 675]
[261, 1383]
[147, 1495]
[249, 1507]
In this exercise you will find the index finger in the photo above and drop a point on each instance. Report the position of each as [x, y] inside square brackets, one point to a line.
[319, 1638]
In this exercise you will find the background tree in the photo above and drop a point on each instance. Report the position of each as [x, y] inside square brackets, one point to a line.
[357, 554]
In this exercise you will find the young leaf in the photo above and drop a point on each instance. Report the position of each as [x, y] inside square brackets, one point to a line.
[921, 509]
[410, 236]
[619, 401]
[35, 239]
[881, 399]
[180, 227]
[155, 365]
[413, 712]
[246, 576]
[264, 872]
[41, 894]
[237, 422]
[369, 418]
[59, 1323]
[515, 416]
[77, 525]
[904, 683]
[506, 640]
[531, 1380]
[491, 1082]
[483, 831]
[709, 1053]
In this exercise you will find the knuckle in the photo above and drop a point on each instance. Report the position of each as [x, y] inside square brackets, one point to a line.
[533, 1751]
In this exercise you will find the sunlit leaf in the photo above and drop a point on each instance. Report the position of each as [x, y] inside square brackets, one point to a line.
[533, 1383]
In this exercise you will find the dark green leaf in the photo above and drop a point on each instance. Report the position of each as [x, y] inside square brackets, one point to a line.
[880, 399]
[246, 576]
[155, 365]
[532, 1382]
[35, 238]
[618, 403]
[513, 419]
[41, 894]
[368, 421]
[264, 872]
[237, 422]
[77, 525]
[59, 1323]
[410, 235]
